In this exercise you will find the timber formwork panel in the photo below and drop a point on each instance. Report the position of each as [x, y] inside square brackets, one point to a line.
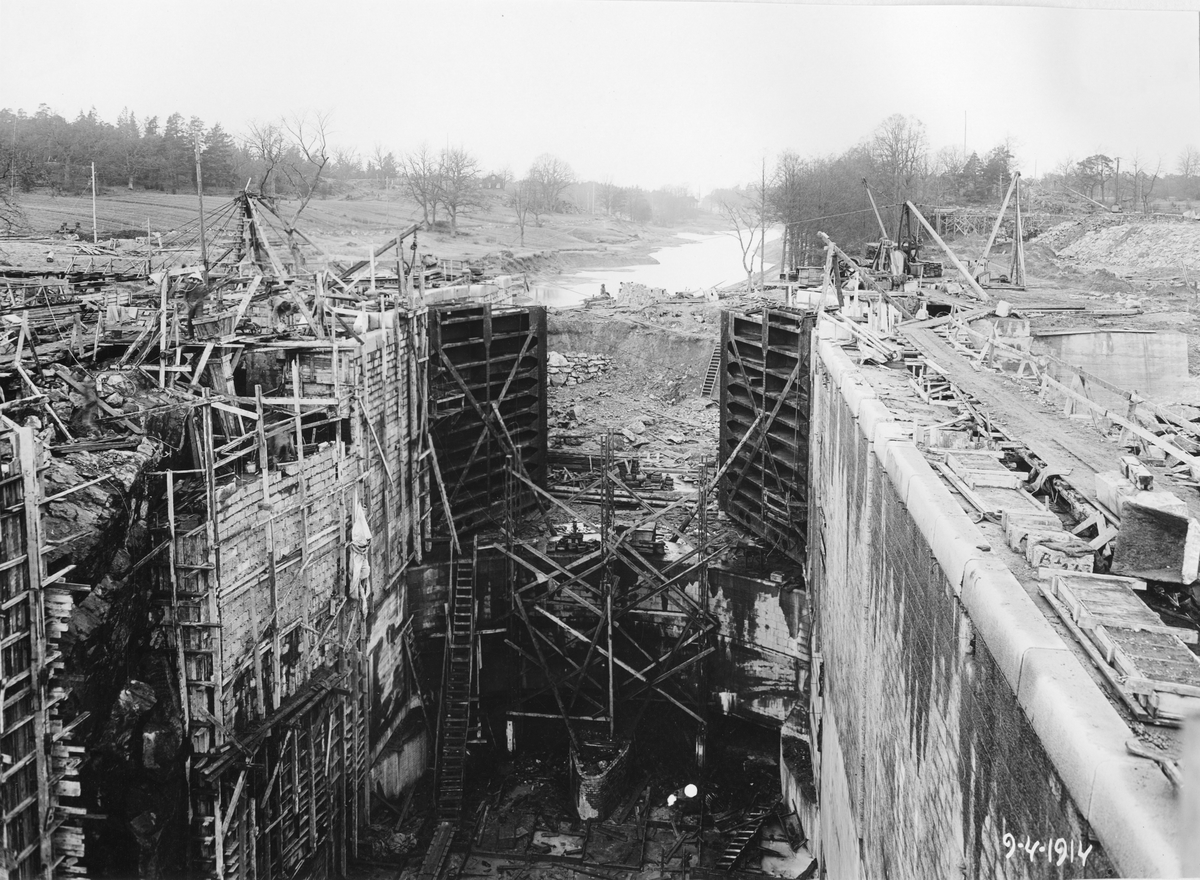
[487, 405]
[39, 812]
[765, 401]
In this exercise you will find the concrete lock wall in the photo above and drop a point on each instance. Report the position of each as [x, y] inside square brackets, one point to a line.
[925, 757]
[1152, 363]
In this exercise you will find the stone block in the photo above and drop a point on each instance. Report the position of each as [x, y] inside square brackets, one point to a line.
[1157, 540]
[1062, 550]
[1018, 524]
[1112, 489]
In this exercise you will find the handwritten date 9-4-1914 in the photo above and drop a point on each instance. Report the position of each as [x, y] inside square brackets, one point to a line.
[1055, 850]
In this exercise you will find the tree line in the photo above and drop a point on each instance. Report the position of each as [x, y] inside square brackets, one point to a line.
[804, 195]
[292, 157]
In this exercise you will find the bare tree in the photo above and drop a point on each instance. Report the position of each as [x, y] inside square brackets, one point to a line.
[303, 165]
[609, 195]
[745, 227]
[550, 176]
[901, 152]
[346, 162]
[11, 216]
[422, 178]
[383, 165]
[459, 172]
[521, 199]
[947, 170]
[266, 143]
[1189, 162]
[1144, 181]
[789, 204]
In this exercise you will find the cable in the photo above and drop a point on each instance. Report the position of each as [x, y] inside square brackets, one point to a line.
[845, 214]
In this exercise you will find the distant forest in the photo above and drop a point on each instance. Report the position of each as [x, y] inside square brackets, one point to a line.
[47, 151]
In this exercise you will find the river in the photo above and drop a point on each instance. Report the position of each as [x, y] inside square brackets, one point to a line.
[700, 263]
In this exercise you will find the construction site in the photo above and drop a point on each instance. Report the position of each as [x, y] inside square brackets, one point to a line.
[887, 568]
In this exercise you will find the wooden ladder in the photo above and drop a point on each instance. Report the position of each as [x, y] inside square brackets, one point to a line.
[456, 692]
[713, 374]
[739, 839]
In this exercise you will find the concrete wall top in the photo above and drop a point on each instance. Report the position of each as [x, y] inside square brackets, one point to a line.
[1127, 800]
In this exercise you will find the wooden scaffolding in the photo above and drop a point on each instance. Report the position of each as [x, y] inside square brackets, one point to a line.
[618, 627]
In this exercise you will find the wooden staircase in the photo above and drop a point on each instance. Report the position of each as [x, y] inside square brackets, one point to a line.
[456, 692]
[740, 837]
[713, 375]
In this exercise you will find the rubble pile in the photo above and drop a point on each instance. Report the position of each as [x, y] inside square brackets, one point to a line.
[634, 294]
[1155, 246]
[572, 369]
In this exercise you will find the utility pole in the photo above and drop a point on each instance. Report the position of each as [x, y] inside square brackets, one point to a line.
[762, 229]
[95, 237]
[200, 196]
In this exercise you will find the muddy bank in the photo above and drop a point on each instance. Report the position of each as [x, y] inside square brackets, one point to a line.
[541, 265]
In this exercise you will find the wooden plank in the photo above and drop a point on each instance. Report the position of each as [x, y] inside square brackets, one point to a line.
[1000, 217]
[233, 410]
[199, 370]
[1094, 600]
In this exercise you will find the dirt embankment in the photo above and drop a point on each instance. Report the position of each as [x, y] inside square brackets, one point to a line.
[652, 389]
[647, 356]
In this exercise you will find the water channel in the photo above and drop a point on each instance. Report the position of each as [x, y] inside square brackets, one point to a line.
[702, 262]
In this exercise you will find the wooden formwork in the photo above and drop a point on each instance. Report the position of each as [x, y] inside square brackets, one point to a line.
[764, 424]
[265, 620]
[40, 835]
[487, 406]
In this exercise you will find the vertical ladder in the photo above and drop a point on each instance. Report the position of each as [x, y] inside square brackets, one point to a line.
[456, 691]
[713, 374]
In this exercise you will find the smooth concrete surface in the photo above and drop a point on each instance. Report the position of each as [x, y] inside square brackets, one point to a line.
[1154, 364]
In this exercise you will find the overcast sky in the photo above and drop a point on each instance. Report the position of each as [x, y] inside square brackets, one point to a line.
[641, 92]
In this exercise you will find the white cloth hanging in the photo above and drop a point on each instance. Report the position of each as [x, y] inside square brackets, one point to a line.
[360, 564]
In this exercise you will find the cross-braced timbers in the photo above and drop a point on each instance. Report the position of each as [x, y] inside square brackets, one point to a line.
[487, 406]
[612, 631]
[764, 435]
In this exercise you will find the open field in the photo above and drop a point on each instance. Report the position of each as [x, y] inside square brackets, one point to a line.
[347, 227]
